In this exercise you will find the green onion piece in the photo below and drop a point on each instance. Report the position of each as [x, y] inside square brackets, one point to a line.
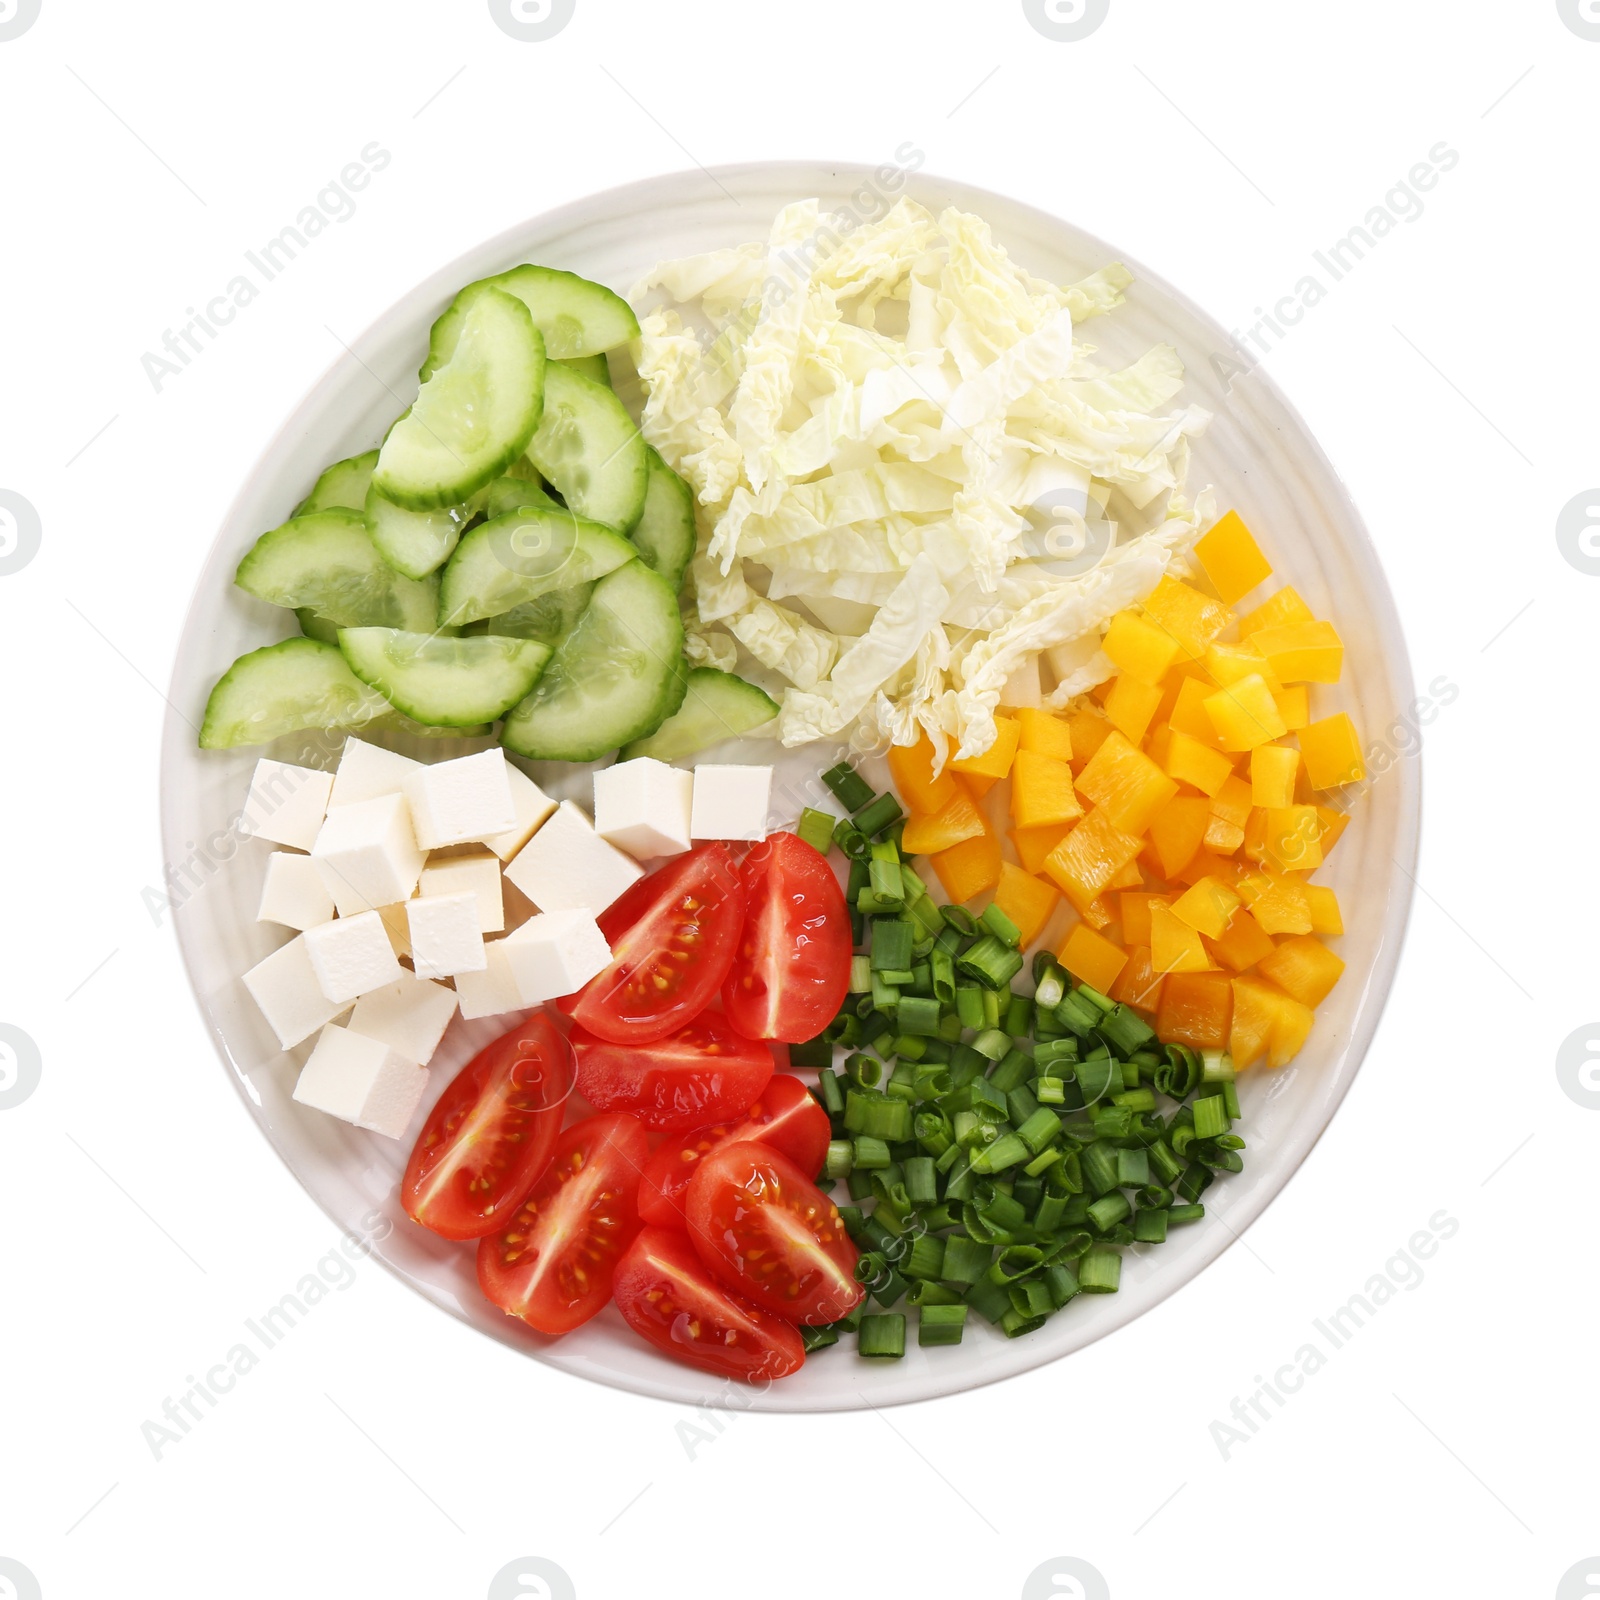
[865, 1071]
[917, 890]
[867, 1154]
[959, 919]
[924, 913]
[1077, 1015]
[845, 1029]
[860, 1185]
[890, 1289]
[816, 1052]
[989, 1301]
[1150, 1227]
[1003, 1212]
[965, 1260]
[860, 976]
[1050, 1092]
[918, 1016]
[1216, 1066]
[950, 1028]
[1125, 1030]
[993, 963]
[879, 814]
[969, 1004]
[816, 828]
[849, 787]
[1135, 1100]
[1015, 1323]
[840, 1158]
[1195, 1181]
[1015, 1068]
[877, 1116]
[1043, 1162]
[1167, 1166]
[884, 882]
[1006, 1151]
[1016, 1262]
[1002, 927]
[941, 1324]
[854, 1222]
[853, 842]
[922, 1183]
[1099, 1165]
[991, 1008]
[1041, 1129]
[910, 1049]
[931, 1129]
[829, 1091]
[1020, 1104]
[871, 904]
[1100, 1270]
[1051, 986]
[1179, 1076]
[1152, 1197]
[1230, 1100]
[896, 978]
[1095, 1078]
[986, 1098]
[885, 996]
[1210, 1116]
[1178, 1216]
[992, 1044]
[1018, 1018]
[1032, 1298]
[1061, 1282]
[944, 976]
[925, 1259]
[1109, 1210]
[818, 1338]
[1133, 1169]
[925, 1292]
[1048, 1216]
[962, 1180]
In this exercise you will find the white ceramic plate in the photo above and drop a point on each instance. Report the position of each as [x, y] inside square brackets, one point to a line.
[1259, 455]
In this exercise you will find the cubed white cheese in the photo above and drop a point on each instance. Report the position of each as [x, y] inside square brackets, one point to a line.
[367, 855]
[476, 874]
[410, 1017]
[445, 937]
[352, 955]
[491, 992]
[362, 1080]
[469, 798]
[368, 772]
[730, 802]
[285, 987]
[396, 925]
[642, 806]
[286, 804]
[533, 807]
[554, 954]
[293, 893]
[567, 866]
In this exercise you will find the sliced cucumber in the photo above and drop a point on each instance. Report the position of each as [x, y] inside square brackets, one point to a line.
[343, 484]
[595, 368]
[522, 555]
[665, 531]
[512, 494]
[717, 706]
[286, 688]
[416, 543]
[474, 416]
[316, 627]
[588, 447]
[576, 317]
[617, 676]
[448, 683]
[327, 562]
[551, 617]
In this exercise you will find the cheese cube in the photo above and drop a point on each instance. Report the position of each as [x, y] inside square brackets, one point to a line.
[533, 807]
[445, 937]
[642, 806]
[285, 803]
[366, 854]
[361, 1080]
[285, 987]
[469, 798]
[730, 802]
[410, 1017]
[491, 992]
[555, 954]
[351, 956]
[567, 866]
[293, 892]
[369, 772]
[398, 927]
[476, 874]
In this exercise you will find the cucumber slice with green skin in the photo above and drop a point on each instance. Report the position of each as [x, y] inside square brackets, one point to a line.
[286, 688]
[595, 368]
[316, 627]
[577, 318]
[326, 562]
[617, 676]
[416, 543]
[447, 683]
[474, 416]
[345, 484]
[665, 532]
[512, 494]
[551, 617]
[590, 450]
[522, 555]
[717, 706]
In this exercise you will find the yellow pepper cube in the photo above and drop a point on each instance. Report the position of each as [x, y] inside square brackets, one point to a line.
[1232, 559]
[1139, 648]
[1304, 652]
[1276, 611]
[1188, 714]
[1244, 715]
[1333, 824]
[1226, 664]
[1293, 839]
[1091, 958]
[1042, 792]
[1044, 733]
[1272, 773]
[1190, 618]
[1027, 900]
[1087, 859]
[1088, 729]
[1126, 784]
[1303, 968]
[1277, 903]
[1294, 705]
[995, 762]
[1130, 706]
[1207, 907]
[1193, 763]
[1332, 751]
[1326, 917]
[1174, 945]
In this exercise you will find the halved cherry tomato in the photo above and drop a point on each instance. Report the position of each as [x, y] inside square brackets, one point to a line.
[791, 971]
[552, 1264]
[704, 1073]
[672, 938]
[489, 1138]
[786, 1117]
[771, 1235]
[666, 1295]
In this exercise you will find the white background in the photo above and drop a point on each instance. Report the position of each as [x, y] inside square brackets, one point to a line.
[383, 1448]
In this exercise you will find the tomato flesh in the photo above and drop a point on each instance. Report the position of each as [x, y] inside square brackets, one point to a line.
[672, 939]
[703, 1073]
[771, 1235]
[552, 1264]
[791, 970]
[489, 1138]
[666, 1296]
[785, 1117]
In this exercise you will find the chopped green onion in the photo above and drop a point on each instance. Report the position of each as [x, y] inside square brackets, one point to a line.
[918, 1016]
[879, 814]
[876, 1116]
[853, 842]
[816, 1052]
[1018, 1018]
[860, 977]
[965, 1260]
[816, 828]
[925, 1292]
[1230, 1100]
[1100, 1270]
[1039, 1130]
[1177, 1216]
[1109, 1210]
[851, 789]
[1061, 1282]
[1006, 1151]
[865, 1071]
[1050, 1092]
[989, 1301]
[1150, 1227]
[866, 1154]
[922, 1183]
[818, 1338]
[993, 963]
[925, 1259]
[992, 1044]
[1125, 1030]
[1210, 1116]
[969, 1005]
[885, 885]
[960, 919]
[1133, 1169]
[941, 1324]
[1002, 927]
[891, 944]
[882, 1336]
[840, 1158]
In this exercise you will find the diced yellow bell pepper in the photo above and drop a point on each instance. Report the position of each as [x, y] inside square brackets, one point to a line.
[1303, 652]
[1227, 663]
[1130, 877]
[1204, 864]
[1242, 943]
[1332, 751]
[1174, 945]
[1089, 858]
[1097, 913]
[1190, 618]
[1333, 824]
[1126, 784]
[1130, 706]
[1139, 648]
[1294, 705]
[1245, 715]
[1189, 761]
[1291, 1027]
[1091, 958]
[1088, 729]
[1138, 984]
[1276, 611]
[1188, 712]
[1042, 792]
[1134, 908]
[1034, 844]
[1177, 831]
[1323, 904]
[1027, 900]
[995, 762]
[959, 821]
[1272, 774]
[1044, 733]
[1304, 968]
[1266, 1020]
[911, 767]
[1206, 907]
[1231, 804]
[1232, 559]
[1276, 902]
[970, 868]
[1293, 839]
[1196, 1010]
